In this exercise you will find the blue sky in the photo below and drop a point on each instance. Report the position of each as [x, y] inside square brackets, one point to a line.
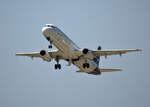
[112, 24]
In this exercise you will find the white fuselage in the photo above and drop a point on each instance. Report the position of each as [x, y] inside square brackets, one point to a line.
[67, 48]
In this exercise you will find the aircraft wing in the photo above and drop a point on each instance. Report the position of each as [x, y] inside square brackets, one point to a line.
[32, 54]
[52, 54]
[113, 52]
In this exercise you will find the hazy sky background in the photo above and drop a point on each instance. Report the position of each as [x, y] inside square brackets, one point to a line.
[113, 24]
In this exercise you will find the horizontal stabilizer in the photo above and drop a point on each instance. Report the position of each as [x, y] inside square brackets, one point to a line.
[110, 70]
[79, 71]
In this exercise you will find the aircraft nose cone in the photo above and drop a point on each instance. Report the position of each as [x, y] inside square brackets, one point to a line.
[44, 30]
[47, 30]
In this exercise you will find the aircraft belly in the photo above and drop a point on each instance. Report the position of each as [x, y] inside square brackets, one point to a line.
[65, 46]
[62, 44]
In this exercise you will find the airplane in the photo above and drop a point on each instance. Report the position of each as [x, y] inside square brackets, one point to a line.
[85, 59]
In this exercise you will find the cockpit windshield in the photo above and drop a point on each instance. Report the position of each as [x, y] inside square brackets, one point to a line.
[50, 25]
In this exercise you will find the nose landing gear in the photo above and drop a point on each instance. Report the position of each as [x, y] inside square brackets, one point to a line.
[50, 46]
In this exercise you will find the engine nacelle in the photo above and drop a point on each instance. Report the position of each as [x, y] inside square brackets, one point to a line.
[87, 53]
[45, 55]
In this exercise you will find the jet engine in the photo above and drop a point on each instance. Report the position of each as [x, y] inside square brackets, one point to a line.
[45, 55]
[87, 53]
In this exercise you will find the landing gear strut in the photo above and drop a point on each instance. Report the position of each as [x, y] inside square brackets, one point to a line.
[57, 66]
[50, 46]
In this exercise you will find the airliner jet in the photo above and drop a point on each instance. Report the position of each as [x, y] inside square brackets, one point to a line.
[85, 59]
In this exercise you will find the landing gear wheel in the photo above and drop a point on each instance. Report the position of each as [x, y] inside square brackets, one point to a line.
[59, 66]
[50, 46]
[55, 66]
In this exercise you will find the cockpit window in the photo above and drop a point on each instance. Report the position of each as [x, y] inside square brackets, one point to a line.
[50, 25]
[53, 26]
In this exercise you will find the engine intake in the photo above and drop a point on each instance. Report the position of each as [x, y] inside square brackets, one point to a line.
[45, 55]
[85, 51]
[42, 52]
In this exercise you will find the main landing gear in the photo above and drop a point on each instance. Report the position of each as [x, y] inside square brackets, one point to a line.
[50, 46]
[57, 66]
